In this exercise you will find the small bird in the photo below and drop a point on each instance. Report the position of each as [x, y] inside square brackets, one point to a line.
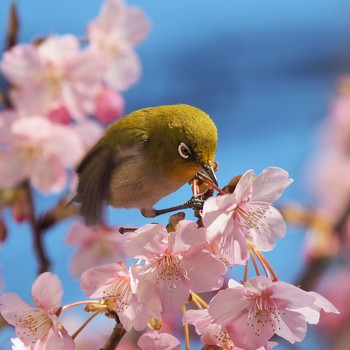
[145, 156]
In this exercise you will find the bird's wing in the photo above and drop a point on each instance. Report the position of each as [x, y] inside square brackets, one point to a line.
[96, 169]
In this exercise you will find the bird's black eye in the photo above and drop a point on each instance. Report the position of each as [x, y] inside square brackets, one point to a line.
[184, 151]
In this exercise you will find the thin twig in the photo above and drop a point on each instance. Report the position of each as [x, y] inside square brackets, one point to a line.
[186, 330]
[44, 262]
[115, 337]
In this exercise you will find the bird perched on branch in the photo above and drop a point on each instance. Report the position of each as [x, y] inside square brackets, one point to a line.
[145, 156]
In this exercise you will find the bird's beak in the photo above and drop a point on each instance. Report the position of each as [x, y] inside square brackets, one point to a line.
[208, 173]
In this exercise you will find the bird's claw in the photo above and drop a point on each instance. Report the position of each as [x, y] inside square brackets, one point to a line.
[194, 203]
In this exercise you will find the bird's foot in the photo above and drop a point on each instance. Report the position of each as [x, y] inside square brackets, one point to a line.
[194, 203]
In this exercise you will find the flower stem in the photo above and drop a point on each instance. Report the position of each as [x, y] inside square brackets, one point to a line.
[186, 330]
[199, 300]
[197, 303]
[251, 253]
[246, 268]
[264, 261]
[76, 333]
[78, 303]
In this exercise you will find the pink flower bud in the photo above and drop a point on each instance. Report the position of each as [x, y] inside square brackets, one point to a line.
[59, 115]
[109, 105]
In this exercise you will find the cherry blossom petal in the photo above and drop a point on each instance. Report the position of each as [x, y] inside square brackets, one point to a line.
[233, 245]
[65, 143]
[48, 175]
[223, 311]
[291, 326]
[31, 323]
[188, 237]
[56, 340]
[109, 105]
[244, 187]
[123, 70]
[215, 209]
[14, 169]
[134, 316]
[58, 49]
[312, 313]
[22, 65]
[290, 296]
[252, 336]
[79, 234]
[161, 341]
[89, 132]
[264, 238]
[270, 184]
[199, 318]
[47, 292]
[205, 272]
[98, 282]
[147, 241]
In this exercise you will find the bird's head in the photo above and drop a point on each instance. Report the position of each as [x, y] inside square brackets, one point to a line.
[184, 141]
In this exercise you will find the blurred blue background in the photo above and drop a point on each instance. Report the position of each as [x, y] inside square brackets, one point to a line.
[264, 70]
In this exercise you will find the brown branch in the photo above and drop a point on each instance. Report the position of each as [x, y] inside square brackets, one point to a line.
[115, 337]
[44, 262]
[12, 27]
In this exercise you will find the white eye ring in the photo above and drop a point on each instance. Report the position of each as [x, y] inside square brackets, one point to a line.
[184, 151]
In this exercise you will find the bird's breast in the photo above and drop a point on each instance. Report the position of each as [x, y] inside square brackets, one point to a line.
[138, 183]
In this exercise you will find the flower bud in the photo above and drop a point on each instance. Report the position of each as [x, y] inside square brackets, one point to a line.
[109, 105]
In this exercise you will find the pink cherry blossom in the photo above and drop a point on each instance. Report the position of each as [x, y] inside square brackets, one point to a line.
[175, 262]
[96, 246]
[37, 150]
[109, 105]
[38, 327]
[112, 282]
[54, 74]
[161, 341]
[211, 333]
[252, 313]
[247, 213]
[115, 33]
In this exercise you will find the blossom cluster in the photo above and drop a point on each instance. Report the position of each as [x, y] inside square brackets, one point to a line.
[173, 265]
[56, 84]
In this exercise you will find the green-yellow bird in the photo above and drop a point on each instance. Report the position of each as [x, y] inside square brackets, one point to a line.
[145, 156]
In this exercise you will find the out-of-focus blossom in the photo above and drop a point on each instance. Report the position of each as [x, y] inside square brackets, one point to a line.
[59, 115]
[55, 74]
[252, 313]
[175, 262]
[88, 131]
[247, 213]
[161, 341]
[335, 286]
[96, 246]
[112, 282]
[38, 325]
[109, 105]
[37, 150]
[115, 33]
